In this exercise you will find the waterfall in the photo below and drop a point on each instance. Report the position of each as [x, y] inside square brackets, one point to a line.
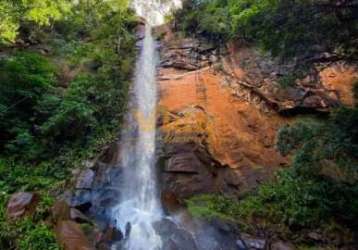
[140, 206]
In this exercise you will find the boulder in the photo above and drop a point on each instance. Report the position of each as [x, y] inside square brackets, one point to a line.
[185, 163]
[60, 211]
[174, 237]
[112, 234]
[82, 200]
[189, 169]
[106, 198]
[85, 179]
[71, 237]
[21, 204]
[316, 236]
[254, 243]
[78, 216]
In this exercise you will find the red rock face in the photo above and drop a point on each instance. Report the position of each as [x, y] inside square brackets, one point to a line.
[230, 106]
[260, 75]
[340, 78]
[21, 204]
[216, 141]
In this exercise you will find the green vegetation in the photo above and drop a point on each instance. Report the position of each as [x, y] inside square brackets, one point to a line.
[285, 28]
[13, 14]
[317, 191]
[62, 97]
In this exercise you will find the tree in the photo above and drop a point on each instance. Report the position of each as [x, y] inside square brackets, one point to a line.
[41, 12]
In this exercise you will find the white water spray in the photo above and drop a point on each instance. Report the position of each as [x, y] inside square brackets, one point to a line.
[140, 206]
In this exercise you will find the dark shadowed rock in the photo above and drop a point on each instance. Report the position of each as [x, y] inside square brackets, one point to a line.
[112, 234]
[71, 237]
[186, 163]
[106, 198]
[111, 154]
[78, 216]
[174, 237]
[216, 235]
[82, 200]
[189, 169]
[21, 204]
[254, 243]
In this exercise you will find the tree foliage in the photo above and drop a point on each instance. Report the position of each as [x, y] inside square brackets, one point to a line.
[284, 27]
[42, 12]
[17, 13]
[63, 93]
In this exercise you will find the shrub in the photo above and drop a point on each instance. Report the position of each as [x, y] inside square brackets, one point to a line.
[213, 206]
[36, 236]
[24, 78]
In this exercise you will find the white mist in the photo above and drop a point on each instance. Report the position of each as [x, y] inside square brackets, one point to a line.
[139, 205]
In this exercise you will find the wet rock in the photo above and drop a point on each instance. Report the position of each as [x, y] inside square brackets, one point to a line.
[112, 234]
[140, 32]
[174, 237]
[106, 198]
[71, 237]
[241, 245]
[104, 246]
[253, 243]
[128, 230]
[78, 216]
[170, 202]
[105, 174]
[21, 204]
[85, 179]
[82, 200]
[164, 227]
[209, 237]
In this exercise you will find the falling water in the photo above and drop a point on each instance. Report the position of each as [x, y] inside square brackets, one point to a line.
[140, 206]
